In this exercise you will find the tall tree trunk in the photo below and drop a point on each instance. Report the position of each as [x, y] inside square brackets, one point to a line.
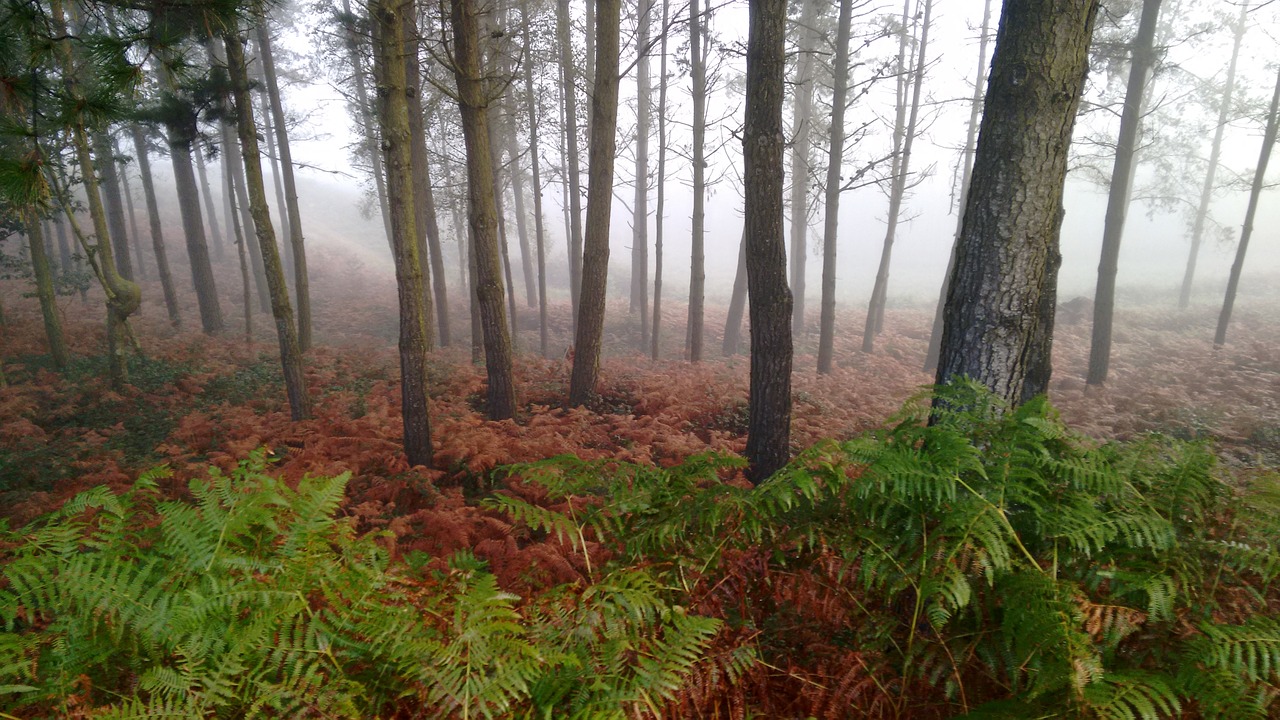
[109, 184]
[1000, 302]
[769, 427]
[286, 331]
[737, 302]
[123, 295]
[246, 282]
[65, 261]
[358, 73]
[153, 217]
[424, 211]
[495, 120]
[181, 136]
[1215, 154]
[697, 261]
[1142, 58]
[269, 132]
[879, 293]
[122, 171]
[801, 127]
[589, 332]
[45, 292]
[215, 237]
[569, 85]
[831, 209]
[640, 222]
[300, 284]
[473, 101]
[659, 208]
[971, 136]
[1259, 178]
[539, 238]
[517, 193]
[395, 40]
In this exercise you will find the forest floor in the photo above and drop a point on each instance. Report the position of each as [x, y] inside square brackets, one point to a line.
[197, 400]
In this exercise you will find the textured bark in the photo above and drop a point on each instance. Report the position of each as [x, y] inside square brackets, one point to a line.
[1215, 154]
[801, 128]
[640, 221]
[45, 292]
[488, 296]
[216, 239]
[595, 260]
[655, 332]
[358, 74]
[998, 328]
[737, 303]
[1259, 178]
[531, 106]
[153, 218]
[697, 260]
[423, 203]
[769, 427]
[570, 88]
[184, 180]
[1142, 57]
[301, 286]
[971, 138]
[392, 22]
[831, 209]
[286, 331]
[123, 296]
[875, 311]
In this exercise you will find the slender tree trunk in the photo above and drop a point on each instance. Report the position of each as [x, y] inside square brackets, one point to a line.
[363, 104]
[473, 103]
[302, 287]
[595, 262]
[424, 211]
[123, 296]
[769, 427]
[1259, 178]
[281, 311]
[532, 106]
[122, 171]
[1000, 302]
[737, 302]
[495, 120]
[569, 85]
[879, 293]
[109, 183]
[1215, 154]
[65, 261]
[656, 334]
[640, 223]
[517, 193]
[801, 128]
[697, 261]
[246, 282]
[215, 237]
[1104, 299]
[45, 292]
[153, 217]
[395, 50]
[184, 179]
[831, 208]
[269, 132]
[971, 136]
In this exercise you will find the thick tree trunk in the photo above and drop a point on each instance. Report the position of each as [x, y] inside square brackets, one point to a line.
[393, 22]
[640, 221]
[473, 102]
[697, 260]
[875, 311]
[737, 303]
[153, 217]
[281, 311]
[655, 332]
[1104, 299]
[971, 137]
[1215, 154]
[769, 427]
[539, 238]
[358, 74]
[184, 180]
[216, 239]
[1259, 178]
[301, 286]
[595, 262]
[999, 315]
[45, 292]
[570, 87]
[801, 127]
[831, 209]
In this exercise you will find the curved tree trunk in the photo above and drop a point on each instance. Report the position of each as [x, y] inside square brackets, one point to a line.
[1000, 302]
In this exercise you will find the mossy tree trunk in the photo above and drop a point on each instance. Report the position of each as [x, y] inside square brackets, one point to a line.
[281, 310]
[45, 292]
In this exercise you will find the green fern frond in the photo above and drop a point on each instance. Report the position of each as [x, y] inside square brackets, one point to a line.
[1132, 696]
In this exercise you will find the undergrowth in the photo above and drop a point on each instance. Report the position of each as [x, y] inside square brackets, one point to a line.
[975, 561]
